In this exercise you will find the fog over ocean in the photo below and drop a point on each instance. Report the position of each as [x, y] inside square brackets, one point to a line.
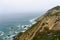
[10, 24]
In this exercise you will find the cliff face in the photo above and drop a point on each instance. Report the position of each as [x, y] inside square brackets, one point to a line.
[47, 25]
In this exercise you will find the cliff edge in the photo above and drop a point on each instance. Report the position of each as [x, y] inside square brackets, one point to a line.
[46, 28]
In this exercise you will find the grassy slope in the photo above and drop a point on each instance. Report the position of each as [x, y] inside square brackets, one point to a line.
[49, 35]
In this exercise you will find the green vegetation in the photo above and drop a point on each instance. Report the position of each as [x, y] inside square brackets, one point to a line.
[50, 35]
[19, 34]
[57, 13]
[57, 8]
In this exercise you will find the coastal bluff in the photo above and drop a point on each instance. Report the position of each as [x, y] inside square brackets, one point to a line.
[47, 27]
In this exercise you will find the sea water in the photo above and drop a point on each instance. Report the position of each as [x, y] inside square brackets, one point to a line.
[8, 29]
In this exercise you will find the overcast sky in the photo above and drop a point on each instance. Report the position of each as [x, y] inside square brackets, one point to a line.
[20, 6]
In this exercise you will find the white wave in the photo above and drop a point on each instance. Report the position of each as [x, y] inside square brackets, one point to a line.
[5, 38]
[8, 38]
[33, 20]
[1, 33]
[12, 36]
[16, 32]
[23, 31]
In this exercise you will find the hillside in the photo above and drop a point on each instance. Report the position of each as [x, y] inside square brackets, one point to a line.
[46, 28]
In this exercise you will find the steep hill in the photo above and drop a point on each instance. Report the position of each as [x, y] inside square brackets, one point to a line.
[46, 28]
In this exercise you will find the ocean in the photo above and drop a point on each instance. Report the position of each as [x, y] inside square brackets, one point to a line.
[11, 27]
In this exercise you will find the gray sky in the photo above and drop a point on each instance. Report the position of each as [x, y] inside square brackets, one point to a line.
[20, 6]
[20, 9]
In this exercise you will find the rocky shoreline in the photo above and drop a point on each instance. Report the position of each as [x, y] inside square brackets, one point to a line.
[48, 24]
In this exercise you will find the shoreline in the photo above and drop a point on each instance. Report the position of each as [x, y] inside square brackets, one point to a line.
[33, 21]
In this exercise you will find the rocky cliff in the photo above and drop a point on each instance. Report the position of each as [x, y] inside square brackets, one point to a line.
[46, 28]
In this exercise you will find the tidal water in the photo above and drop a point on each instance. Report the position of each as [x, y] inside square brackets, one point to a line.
[10, 26]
